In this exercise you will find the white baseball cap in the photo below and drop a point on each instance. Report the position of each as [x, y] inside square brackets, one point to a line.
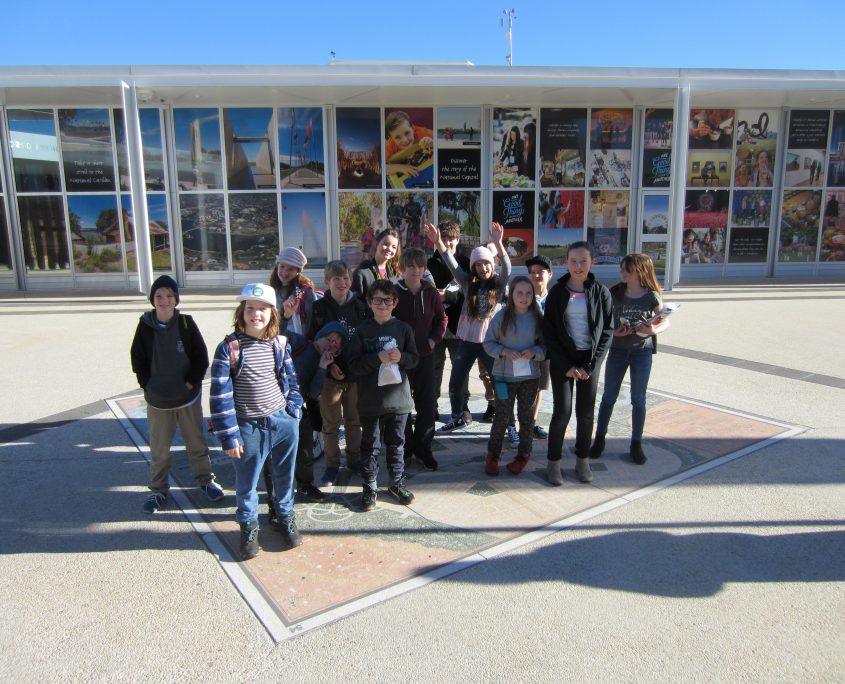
[259, 292]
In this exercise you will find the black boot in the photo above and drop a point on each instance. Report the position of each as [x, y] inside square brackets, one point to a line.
[249, 540]
[490, 413]
[637, 454]
[598, 447]
[291, 536]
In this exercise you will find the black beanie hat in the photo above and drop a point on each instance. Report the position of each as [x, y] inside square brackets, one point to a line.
[163, 281]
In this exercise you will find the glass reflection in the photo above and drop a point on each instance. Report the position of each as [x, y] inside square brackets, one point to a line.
[248, 134]
[35, 151]
[304, 225]
[199, 163]
[86, 149]
[159, 232]
[254, 221]
[203, 232]
[43, 233]
[95, 233]
[5, 252]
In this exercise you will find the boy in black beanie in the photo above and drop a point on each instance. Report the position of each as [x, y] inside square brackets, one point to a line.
[169, 358]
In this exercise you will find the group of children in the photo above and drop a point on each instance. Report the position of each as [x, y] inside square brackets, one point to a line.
[366, 354]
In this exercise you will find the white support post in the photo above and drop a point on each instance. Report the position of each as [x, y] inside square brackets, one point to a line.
[138, 187]
[680, 144]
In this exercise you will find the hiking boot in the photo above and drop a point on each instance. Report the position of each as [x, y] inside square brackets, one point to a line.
[637, 454]
[582, 469]
[153, 502]
[213, 491]
[516, 466]
[249, 540]
[400, 492]
[513, 435]
[329, 476]
[553, 473]
[540, 433]
[491, 464]
[456, 423]
[310, 493]
[291, 537]
[428, 461]
[368, 499]
[490, 413]
[598, 446]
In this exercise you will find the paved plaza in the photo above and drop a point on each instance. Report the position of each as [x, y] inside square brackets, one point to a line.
[721, 559]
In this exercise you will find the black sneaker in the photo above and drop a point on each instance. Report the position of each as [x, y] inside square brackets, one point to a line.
[249, 540]
[490, 413]
[272, 516]
[467, 416]
[310, 493]
[401, 494]
[368, 499]
[540, 433]
[289, 531]
[153, 502]
[454, 424]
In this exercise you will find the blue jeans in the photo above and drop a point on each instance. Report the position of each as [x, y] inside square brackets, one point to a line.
[277, 437]
[618, 361]
[391, 428]
[462, 364]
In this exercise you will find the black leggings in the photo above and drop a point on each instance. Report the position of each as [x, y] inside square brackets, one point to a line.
[585, 406]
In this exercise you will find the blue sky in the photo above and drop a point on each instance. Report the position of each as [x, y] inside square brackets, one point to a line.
[771, 34]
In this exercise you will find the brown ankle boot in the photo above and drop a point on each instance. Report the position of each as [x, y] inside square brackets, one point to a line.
[516, 466]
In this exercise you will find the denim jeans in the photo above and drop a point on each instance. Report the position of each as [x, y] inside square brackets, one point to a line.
[277, 437]
[389, 428]
[462, 364]
[618, 361]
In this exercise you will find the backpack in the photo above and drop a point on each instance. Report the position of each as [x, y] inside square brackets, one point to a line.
[279, 344]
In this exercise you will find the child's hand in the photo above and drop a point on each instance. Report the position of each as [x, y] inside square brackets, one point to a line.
[431, 232]
[497, 233]
[427, 143]
[236, 452]
[290, 305]
[326, 360]
[526, 355]
[577, 374]
[336, 373]
[512, 354]
[390, 356]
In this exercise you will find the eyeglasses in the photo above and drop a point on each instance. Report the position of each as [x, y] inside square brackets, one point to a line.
[382, 301]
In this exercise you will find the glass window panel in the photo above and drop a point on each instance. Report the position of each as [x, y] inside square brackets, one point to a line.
[409, 147]
[86, 149]
[152, 148]
[304, 225]
[360, 215]
[459, 147]
[95, 233]
[833, 228]
[836, 166]
[358, 147]
[301, 156]
[407, 212]
[35, 150]
[563, 148]
[248, 136]
[514, 210]
[5, 250]
[705, 226]
[464, 208]
[607, 224]
[199, 164]
[120, 147]
[159, 232]
[514, 147]
[254, 220]
[799, 224]
[560, 220]
[805, 158]
[657, 152]
[43, 233]
[756, 149]
[747, 245]
[203, 232]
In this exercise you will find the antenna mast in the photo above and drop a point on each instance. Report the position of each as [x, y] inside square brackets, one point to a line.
[511, 15]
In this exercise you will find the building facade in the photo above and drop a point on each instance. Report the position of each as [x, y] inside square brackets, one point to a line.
[716, 174]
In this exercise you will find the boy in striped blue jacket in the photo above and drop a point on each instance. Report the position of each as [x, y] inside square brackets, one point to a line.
[255, 411]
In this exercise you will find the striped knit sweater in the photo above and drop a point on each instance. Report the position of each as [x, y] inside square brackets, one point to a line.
[224, 420]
